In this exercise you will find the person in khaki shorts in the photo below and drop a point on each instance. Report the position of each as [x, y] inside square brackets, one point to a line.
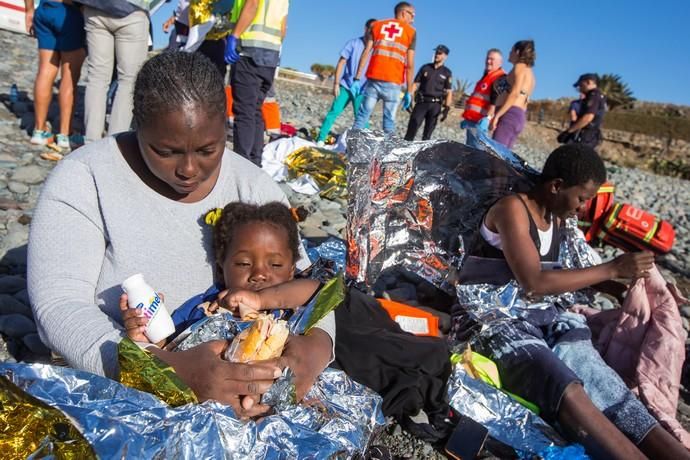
[116, 31]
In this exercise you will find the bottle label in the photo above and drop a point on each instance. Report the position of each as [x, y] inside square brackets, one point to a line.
[151, 307]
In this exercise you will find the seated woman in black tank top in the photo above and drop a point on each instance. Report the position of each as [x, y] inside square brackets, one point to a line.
[511, 236]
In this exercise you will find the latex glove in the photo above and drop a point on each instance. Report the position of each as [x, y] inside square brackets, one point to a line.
[444, 113]
[355, 88]
[564, 137]
[231, 54]
[407, 101]
[483, 124]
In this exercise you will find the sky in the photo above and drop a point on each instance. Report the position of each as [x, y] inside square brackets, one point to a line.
[647, 43]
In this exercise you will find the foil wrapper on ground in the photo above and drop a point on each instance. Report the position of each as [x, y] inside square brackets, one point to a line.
[415, 205]
[30, 427]
[218, 11]
[505, 418]
[124, 423]
[325, 166]
[141, 370]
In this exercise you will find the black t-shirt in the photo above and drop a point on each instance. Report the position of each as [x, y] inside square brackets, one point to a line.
[594, 103]
[434, 82]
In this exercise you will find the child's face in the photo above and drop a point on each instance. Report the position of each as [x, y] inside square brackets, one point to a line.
[258, 257]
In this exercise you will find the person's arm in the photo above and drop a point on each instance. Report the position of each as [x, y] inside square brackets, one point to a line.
[283, 28]
[581, 122]
[449, 90]
[63, 272]
[573, 115]
[363, 59]
[590, 106]
[512, 223]
[292, 294]
[338, 75]
[249, 10]
[410, 70]
[29, 16]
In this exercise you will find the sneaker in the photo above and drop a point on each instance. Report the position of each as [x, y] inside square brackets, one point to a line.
[40, 137]
[69, 142]
[320, 144]
[63, 141]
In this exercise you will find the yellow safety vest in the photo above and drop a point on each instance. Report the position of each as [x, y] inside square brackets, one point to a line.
[265, 31]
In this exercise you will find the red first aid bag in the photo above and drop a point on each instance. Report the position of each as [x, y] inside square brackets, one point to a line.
[630, 228]
[594, 211]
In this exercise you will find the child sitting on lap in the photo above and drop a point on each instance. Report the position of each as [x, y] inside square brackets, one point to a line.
[256, 248]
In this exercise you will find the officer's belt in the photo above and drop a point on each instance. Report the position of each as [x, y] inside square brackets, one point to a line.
[425, 98]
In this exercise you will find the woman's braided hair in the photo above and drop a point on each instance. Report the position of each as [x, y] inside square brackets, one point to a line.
[236, 214]
[172, 80]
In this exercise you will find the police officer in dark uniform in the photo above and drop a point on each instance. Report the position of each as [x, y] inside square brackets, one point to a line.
[587, 129]
[433, 95]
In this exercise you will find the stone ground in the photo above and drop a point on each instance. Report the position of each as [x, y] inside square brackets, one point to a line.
[22, 172]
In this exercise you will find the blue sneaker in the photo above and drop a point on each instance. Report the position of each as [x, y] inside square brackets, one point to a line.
[66, 142]
[40, 137]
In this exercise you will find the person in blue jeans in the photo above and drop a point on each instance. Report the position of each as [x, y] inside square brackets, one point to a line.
[59, 28]
[344, 75]
[390, 48]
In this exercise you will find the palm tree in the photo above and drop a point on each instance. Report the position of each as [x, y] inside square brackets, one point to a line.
[617, 92]
[323, 71]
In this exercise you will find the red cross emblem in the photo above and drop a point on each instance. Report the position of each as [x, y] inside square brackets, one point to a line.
[391, 30]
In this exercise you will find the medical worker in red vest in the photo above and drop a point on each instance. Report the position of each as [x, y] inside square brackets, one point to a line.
[478, 109]
[391, 43]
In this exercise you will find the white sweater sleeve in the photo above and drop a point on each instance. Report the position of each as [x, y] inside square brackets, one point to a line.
[66, 250]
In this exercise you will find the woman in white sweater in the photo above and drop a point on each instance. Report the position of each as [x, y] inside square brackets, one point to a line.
[133, 203]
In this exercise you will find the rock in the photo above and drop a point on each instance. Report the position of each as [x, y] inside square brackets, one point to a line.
[33, 342]
[31, 174]
[9, 204]
[5, 356]
[18, 187]
[23, 297]
[16, 325]
[10, 305]
[312, 232]
[11, 284]
[685, 312]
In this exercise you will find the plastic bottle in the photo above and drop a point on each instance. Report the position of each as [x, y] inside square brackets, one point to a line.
[14, 94]
[140, 295]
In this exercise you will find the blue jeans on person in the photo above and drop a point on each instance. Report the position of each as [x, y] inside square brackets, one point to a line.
[471, 139]
[373, 91]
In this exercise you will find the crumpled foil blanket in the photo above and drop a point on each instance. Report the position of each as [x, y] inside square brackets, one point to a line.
[123, 423]
[414, 204]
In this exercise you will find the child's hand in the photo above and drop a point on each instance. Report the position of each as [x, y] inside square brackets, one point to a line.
[135, 325]
[245, 304]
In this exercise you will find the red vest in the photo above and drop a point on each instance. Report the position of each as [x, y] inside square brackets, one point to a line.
[478, 103]
[392, 39]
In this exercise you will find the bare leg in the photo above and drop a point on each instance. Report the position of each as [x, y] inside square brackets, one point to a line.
[70, 70]
[48, 65]
[659, 444]
[588, 426]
